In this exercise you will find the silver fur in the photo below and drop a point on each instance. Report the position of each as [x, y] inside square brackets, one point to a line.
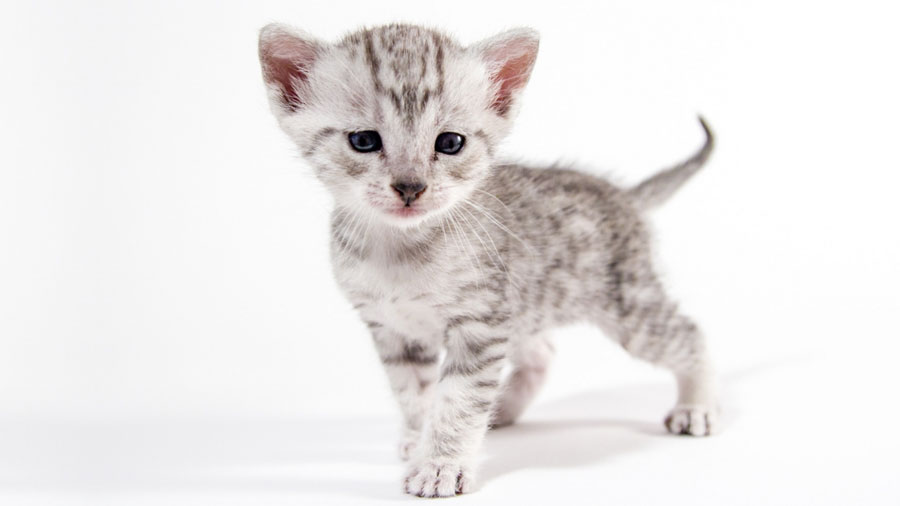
[470, 277]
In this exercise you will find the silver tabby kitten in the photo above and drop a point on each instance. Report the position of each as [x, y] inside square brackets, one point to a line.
[459, 264]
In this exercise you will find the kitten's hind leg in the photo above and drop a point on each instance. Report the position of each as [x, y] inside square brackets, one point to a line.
[530, 362]
[651, 328]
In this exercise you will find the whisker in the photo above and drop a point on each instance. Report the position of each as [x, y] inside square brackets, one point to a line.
[496, 253]
[469, 253]
[487, 214]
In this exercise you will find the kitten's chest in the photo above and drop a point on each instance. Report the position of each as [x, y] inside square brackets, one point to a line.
[405, 299]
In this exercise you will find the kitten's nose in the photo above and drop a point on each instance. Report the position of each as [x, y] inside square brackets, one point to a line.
[409, 190]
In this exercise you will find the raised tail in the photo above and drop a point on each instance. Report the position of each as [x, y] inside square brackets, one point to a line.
[659, 187]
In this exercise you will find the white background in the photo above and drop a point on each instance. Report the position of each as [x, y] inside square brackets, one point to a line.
[170, 332]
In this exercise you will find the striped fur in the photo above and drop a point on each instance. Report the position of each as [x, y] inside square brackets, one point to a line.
[464, 286]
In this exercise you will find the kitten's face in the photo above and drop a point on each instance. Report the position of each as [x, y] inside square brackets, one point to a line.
[399, 122]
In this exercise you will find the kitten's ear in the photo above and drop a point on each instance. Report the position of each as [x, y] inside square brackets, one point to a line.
[510, 57]
[287, 56]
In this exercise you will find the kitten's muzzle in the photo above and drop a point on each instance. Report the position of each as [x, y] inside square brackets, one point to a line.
[409, 191]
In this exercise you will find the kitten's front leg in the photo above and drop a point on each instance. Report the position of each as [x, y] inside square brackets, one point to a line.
[412, 370]
[470, 380]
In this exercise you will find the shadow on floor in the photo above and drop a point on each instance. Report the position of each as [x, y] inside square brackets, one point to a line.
[353, 457]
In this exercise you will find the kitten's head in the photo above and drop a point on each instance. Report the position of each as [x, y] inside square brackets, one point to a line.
[398, 121]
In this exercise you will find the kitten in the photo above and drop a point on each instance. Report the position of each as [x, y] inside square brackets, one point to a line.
[459, 264]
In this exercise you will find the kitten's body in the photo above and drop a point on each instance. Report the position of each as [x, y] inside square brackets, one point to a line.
[500, 253]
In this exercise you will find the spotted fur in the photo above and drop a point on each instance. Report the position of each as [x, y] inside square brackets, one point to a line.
[465, 282]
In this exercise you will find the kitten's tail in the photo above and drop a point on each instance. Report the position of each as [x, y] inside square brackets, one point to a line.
[659, 187]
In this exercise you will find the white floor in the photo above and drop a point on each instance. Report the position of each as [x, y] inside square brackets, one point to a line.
[792, 435]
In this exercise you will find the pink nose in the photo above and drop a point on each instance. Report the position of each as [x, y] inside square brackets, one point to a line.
[409, 191]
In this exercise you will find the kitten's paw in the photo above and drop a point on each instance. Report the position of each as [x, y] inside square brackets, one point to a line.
[408, 445]
[437, 479]
[692, 420]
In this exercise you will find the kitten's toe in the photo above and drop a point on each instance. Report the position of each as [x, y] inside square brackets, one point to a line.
[437, 479]
[692, 420]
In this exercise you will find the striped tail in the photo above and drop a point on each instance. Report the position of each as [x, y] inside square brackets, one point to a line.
[659, 187]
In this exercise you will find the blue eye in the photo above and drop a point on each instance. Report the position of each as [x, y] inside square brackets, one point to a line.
[449, 143]
[365, 141]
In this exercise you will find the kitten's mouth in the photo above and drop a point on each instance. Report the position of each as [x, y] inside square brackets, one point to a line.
[406, 212]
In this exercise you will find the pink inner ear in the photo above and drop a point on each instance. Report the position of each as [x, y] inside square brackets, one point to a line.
[286, 63]
[515, 60]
